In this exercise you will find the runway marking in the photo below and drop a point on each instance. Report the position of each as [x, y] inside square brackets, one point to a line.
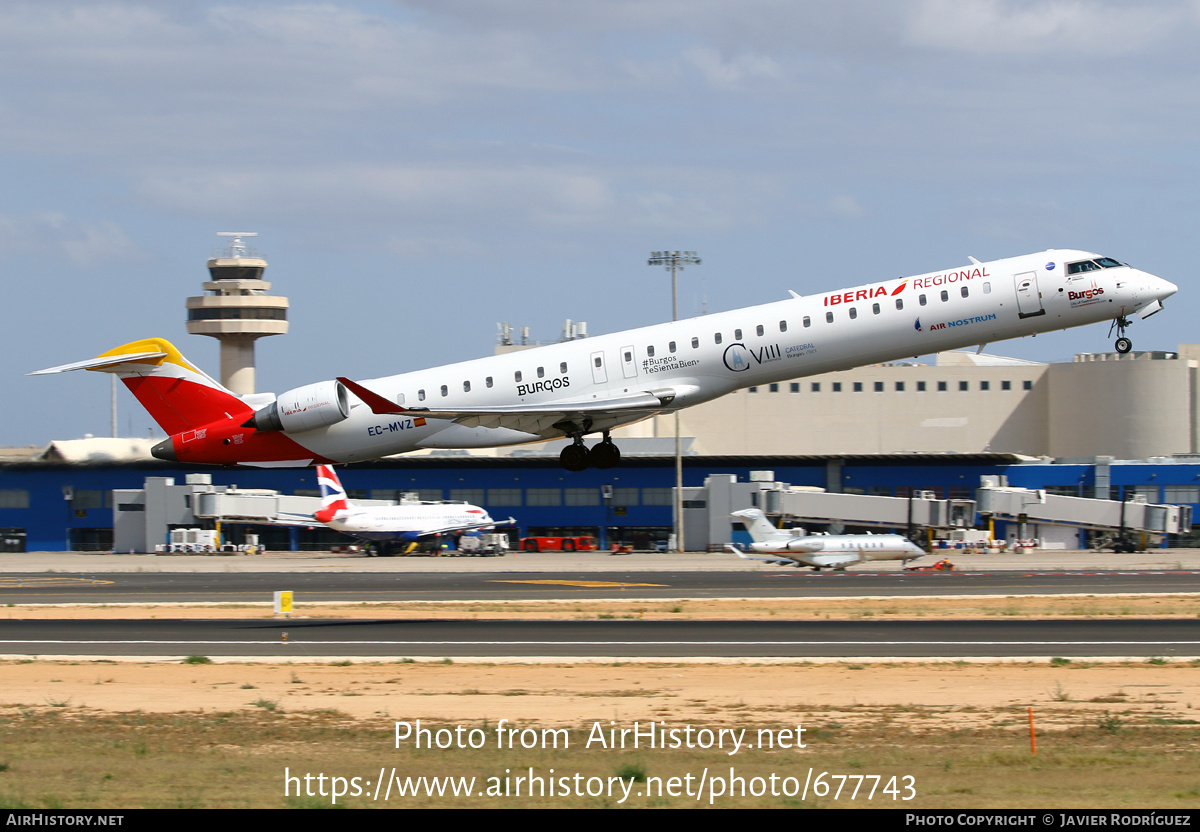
[474, 642]
[586, 584]
[21, 582]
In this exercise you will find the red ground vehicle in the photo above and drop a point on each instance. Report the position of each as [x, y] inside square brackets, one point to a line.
[559, 544]
[942, 565]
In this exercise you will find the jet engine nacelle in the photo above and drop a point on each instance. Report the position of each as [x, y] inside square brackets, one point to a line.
[304, 408]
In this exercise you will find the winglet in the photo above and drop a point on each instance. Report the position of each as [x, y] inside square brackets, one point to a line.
[376, 402]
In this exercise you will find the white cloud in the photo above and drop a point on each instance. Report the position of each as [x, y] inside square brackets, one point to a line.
[1063, 26]
[84, 244]
[733, 73]
[844, 205]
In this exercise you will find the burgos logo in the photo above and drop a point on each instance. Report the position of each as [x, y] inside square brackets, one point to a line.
[1086, 294]
[737, 357]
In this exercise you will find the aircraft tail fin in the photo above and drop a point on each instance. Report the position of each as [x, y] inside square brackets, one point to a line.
[333, 496]
[757, 524]
[177, 395]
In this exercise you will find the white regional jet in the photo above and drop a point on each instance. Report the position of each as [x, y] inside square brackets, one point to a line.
[385, 525]
[822, 551]
[592, 385]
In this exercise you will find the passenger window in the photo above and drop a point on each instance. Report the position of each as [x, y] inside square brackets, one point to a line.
[853, 312]
[759, 329]
[875, 308]
[541, 372]
[488, 381]
[828, 317]
[899, 303]
[420, 395]
[670, 346]
[716, 337]
[807, 321]
[945, 296]
[466, 387]
[598, 361]
[695, 343]
[783, 326]
[922, 300]
[737, 335]
[987, 288]
[445, 390]
[965, 292]
[562, 368]
[650, 351]
[628, 357]
[517, 376]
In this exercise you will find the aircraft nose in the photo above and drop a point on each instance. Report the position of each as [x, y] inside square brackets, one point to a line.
[1162, 289]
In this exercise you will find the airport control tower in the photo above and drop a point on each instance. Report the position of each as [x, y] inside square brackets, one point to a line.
[237, 310]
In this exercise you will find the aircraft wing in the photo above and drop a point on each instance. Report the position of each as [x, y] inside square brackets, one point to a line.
[288, 519]
[773, 561]
[465, 527]
[527, 418]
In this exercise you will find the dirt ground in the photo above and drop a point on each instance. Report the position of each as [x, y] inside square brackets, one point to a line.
[172, 732]
[927, 693]
[565, 692]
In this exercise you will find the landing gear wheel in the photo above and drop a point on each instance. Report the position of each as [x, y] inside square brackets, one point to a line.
[604, 455]
[574, 457]
[1119, 323]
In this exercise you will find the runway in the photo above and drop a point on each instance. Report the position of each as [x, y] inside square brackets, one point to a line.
[392, 640]
[243, 587]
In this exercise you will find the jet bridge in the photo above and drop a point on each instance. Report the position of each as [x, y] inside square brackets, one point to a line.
[922, 509]
[1022, 505]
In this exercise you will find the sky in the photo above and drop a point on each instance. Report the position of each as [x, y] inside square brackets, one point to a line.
[418, 171]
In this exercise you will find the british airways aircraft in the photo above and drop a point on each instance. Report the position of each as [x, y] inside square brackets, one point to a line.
[386, 525]
[590, 386]
[821, 551]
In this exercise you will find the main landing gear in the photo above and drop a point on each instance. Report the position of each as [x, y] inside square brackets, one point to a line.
[1123, 344]
[578, 457]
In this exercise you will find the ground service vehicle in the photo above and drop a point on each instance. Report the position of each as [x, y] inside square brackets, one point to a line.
[559, 544]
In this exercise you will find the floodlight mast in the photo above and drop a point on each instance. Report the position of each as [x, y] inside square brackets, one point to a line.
[675, 261]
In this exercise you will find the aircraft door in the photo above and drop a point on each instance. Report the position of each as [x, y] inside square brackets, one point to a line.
[599, 373]
[1029, 298]
[628, 362]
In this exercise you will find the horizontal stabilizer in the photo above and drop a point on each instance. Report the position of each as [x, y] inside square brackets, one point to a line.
[100, 363]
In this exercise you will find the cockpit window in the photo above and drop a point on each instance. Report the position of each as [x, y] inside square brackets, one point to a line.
[1093, 265]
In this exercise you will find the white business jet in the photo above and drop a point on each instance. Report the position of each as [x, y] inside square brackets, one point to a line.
[389, 525]
[590, 386]
[821, 551]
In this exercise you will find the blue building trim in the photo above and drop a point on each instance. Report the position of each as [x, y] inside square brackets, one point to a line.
[51, 520]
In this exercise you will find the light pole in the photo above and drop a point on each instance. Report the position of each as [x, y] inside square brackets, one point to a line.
[674, 261]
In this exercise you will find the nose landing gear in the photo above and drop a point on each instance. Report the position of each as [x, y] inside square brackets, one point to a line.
[1123, 344]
